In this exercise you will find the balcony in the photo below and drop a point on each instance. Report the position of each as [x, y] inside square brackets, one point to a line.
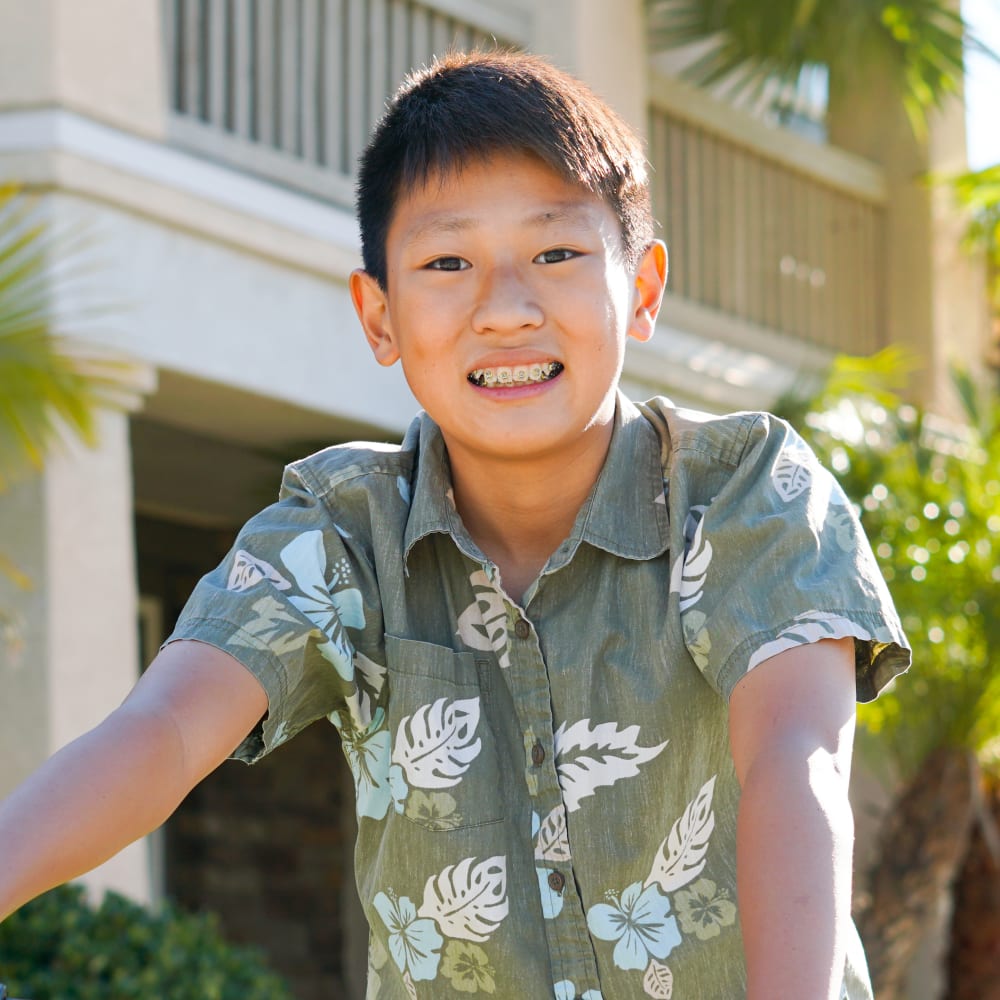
[289, 89]
[777, 243]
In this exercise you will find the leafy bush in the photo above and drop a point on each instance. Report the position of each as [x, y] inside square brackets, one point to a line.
[928, 493]
[60, 948]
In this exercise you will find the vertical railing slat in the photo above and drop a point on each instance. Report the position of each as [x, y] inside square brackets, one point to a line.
[378, 59]
[333, 100]
[218, 63]
[693, 233]
[193, 58]
[400, 62]
[242, 71]
[265, 77]
[309, 103]
[357, 79]
[420, 37]
[677, 205]
[170, 11]
[728, 226]
[289, 102]
[442, 35]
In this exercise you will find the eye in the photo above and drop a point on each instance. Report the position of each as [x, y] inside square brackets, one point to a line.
[447, 264]
[556, 255]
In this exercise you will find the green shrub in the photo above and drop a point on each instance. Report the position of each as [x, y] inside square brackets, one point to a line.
[60, 948]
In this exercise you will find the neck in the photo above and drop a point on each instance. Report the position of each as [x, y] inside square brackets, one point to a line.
[520, 512]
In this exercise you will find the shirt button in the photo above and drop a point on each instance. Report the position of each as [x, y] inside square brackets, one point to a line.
[557, 881]
[522, 629]
[537, 754]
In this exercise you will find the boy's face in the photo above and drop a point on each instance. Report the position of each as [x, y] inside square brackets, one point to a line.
[509, 305]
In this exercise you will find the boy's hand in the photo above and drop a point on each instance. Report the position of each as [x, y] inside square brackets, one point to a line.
[791, 735]
[120, 781]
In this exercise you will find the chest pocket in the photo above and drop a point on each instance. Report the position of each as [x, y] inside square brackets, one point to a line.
[445, 767]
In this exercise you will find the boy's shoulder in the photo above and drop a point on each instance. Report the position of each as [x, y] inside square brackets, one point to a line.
[726, 439]
[352, 464]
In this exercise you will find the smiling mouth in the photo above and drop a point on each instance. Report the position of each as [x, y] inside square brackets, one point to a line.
[487, 378]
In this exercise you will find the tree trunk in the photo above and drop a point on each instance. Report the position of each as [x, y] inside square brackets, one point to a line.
[921, 846]
[974, 959]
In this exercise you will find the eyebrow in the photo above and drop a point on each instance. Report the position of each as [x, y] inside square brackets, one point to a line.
[446, 225]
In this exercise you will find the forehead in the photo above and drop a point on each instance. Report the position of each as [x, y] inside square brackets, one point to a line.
[509, 188]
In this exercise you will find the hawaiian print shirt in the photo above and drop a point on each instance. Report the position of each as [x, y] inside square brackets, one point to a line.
[546, 799]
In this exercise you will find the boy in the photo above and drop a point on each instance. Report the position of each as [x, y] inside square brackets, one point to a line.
[593, 664]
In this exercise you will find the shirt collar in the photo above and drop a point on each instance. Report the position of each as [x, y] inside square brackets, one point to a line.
[625, 514]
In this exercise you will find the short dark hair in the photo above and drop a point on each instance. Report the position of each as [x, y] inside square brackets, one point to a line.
[472, 105]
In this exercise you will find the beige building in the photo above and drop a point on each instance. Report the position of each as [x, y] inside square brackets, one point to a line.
[208, 147]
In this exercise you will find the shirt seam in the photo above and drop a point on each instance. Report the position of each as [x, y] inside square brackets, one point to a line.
[253, 643]
[732, 455]
[868, 617]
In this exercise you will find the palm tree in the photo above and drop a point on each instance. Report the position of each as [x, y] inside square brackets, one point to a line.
[747, 45]
[929, 496]
[938, 727]
[51, 383]
[978, 192]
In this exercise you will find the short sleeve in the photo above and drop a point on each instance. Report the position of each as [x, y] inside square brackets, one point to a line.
[281, 603]
[774, 558]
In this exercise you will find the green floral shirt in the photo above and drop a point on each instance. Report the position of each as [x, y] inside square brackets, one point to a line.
[546, 799]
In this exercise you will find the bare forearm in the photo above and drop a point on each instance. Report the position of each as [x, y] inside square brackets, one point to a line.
[794, 847]
[100, 793]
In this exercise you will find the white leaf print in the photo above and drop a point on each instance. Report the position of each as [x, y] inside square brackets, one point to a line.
[436, 745]
[273, 628]
[687, 577]
[248, 571]
[411, 989]
[483, 624]
[658, 982]
[614, 755]
[792, 473]
[369, 673]
[552, 842]
[369, 677]
[468, 901]
[686, 844]
[809, 627]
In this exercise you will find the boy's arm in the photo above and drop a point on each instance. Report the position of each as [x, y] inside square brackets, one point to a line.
[118, 782]
[791, 733]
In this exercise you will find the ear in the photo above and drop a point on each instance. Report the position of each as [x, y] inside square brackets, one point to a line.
[650, 282]
[372, 306]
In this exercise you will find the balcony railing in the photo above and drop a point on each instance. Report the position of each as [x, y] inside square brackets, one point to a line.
[290, 88]
[765, 226]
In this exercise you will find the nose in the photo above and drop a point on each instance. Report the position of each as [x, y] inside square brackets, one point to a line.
[505, 302]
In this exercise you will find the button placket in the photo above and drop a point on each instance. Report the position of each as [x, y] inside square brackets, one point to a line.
[569, 945]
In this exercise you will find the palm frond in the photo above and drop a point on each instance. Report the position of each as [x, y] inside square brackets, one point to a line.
[51, 382]
[921, 43]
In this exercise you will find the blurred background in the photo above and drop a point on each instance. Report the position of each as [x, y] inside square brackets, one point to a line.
[176, 233]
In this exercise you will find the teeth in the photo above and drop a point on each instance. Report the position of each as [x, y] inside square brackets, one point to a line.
[515, 375]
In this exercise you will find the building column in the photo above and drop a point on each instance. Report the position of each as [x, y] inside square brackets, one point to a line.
[103, 59]
[604, 44]
[936, 295]
[75, 653]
